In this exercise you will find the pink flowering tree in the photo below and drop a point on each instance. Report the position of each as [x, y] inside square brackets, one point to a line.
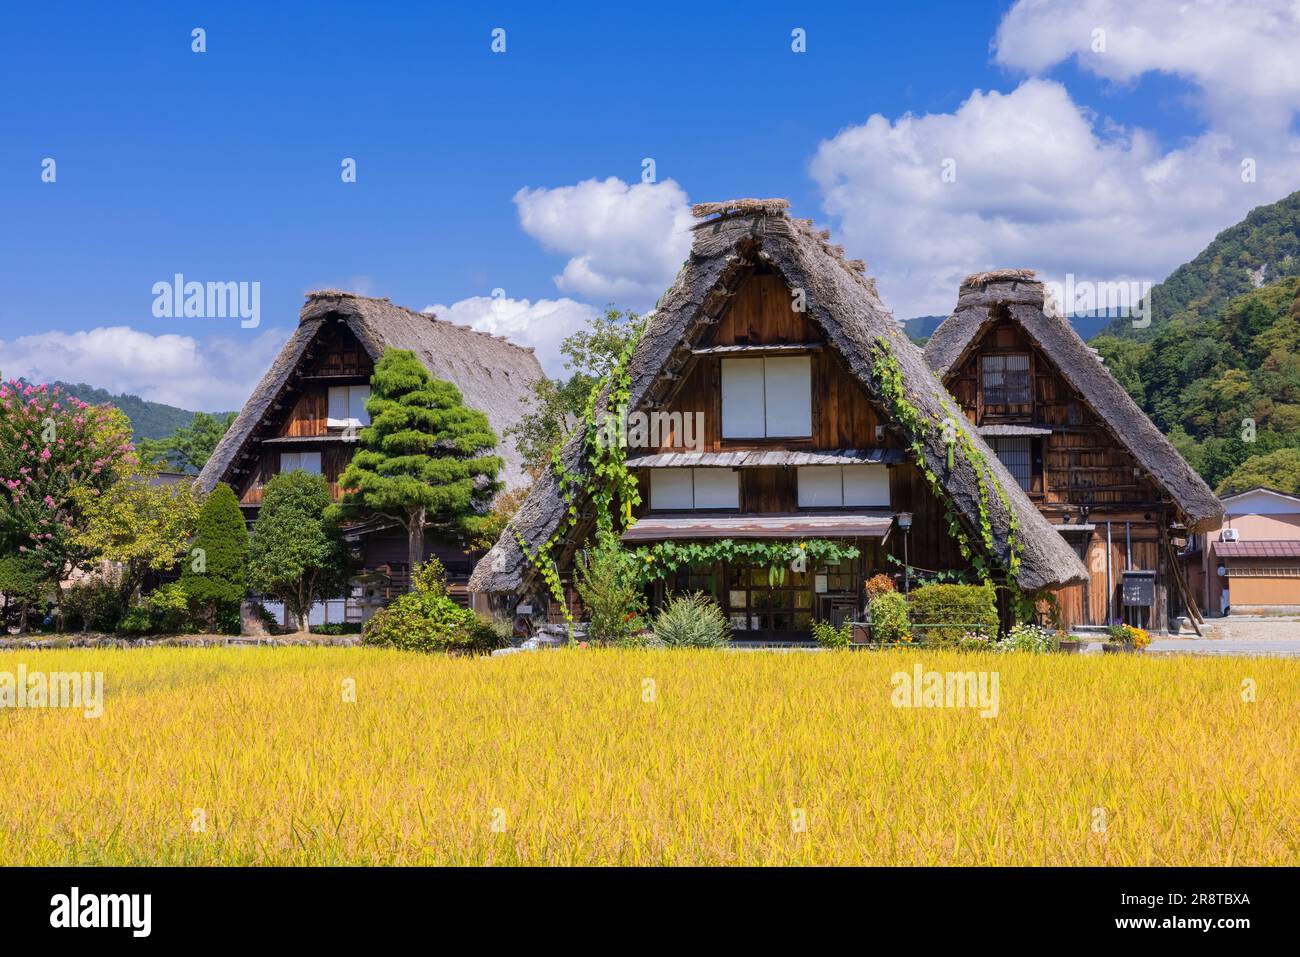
[51, 444]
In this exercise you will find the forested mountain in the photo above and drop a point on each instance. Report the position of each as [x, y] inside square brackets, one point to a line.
[150, 420]
[1225, 387]
[1263, 248]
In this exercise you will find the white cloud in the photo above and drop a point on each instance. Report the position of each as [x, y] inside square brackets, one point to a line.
[625, 242]
[211, 374]
[1241, 55]
[541, 324]
[1043, 182]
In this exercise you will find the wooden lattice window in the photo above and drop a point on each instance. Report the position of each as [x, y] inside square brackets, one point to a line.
[1006, 379]
[1017, 454]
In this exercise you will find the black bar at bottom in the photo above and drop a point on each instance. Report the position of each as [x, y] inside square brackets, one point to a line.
[334, 905]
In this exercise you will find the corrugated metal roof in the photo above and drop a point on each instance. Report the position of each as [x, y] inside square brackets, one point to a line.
[759, 458]
[1267, 549]
[657, 528]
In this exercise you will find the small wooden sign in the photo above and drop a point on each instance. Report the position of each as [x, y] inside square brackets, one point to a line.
[1138, 589]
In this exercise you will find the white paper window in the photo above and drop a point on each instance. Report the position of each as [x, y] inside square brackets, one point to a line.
[820, 486]
[830, 486]
[357, 397]
[293, 461]
[717, 488]
[347, 406]
[767, 397]
[742, 399]
[671, 488]
[788, 395]
[866, 486]
[684, 489]
[338, 406]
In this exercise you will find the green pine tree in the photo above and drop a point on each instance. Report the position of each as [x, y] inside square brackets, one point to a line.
[424, 459]
[215, 574]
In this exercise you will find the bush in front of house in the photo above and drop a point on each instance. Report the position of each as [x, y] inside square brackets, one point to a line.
[427, 619]
[338, 628]
[692, 621]
[955, 610]
[94, 603]
[609, 586]
[829, 636]
[165, 610]
[889, 622]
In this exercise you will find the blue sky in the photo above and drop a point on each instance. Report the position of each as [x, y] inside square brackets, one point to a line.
[225, 165]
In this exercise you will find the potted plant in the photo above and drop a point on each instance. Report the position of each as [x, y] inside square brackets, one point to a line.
[1067, 645]
[1126, 639]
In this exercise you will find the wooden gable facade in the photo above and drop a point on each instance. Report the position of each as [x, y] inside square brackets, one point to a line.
[300, 422]
[759, 321]
[1091, 462]
[310, 405]
[769, 366]
[1083, 478]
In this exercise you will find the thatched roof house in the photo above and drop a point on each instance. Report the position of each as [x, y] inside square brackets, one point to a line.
[493, 374]
[735, 238]
[989, 297]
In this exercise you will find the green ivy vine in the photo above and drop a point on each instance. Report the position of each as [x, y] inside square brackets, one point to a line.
[889, 378]
[665, 558]
[611, 487]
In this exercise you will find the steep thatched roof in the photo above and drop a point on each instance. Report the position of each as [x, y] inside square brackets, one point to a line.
[985, 296]
[844, 305]
[493, 374]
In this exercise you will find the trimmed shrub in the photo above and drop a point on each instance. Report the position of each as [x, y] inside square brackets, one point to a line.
[214, 574]
[609, 586]
[692, 621]
[426, 619]
[889, 624]
[337, 628]
[956, 609]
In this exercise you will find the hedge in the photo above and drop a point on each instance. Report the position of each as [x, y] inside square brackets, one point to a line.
[961, 608]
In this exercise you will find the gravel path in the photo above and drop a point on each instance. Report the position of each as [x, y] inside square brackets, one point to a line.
[1252, 629]
[1248, 636]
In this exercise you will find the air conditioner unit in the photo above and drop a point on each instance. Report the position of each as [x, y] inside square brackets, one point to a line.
[1230, 535]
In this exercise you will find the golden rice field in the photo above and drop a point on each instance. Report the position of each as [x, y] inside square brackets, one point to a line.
[252, 756]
